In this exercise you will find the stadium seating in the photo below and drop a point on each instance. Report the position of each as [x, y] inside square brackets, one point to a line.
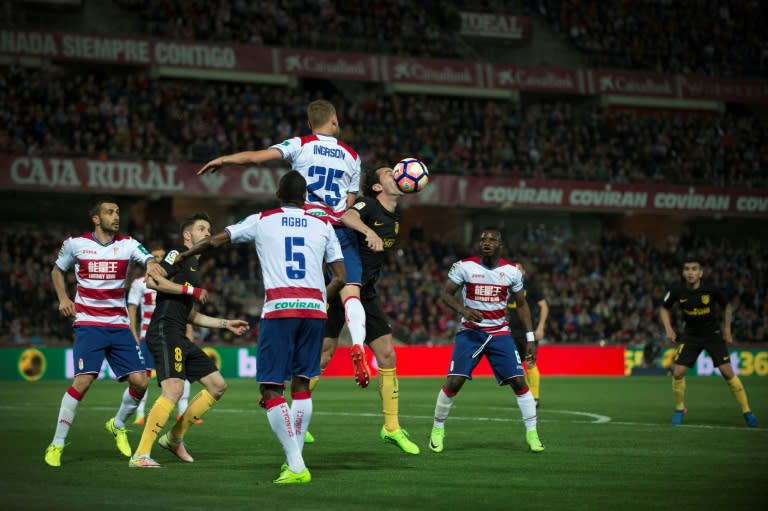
[133, 117]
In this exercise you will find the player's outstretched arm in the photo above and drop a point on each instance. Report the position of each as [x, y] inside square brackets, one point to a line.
[163, 285]
[236, 326]
[66, 306]
[243, 158]
[211, 242]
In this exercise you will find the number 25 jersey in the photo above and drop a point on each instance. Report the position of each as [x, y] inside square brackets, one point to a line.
[331, 168]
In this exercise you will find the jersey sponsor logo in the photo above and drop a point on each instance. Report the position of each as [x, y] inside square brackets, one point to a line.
[697, 311]
[171, 257]
[298, 304]
[102, 270]
[705, 299]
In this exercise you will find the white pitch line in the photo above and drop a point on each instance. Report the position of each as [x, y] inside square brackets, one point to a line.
[596, 418]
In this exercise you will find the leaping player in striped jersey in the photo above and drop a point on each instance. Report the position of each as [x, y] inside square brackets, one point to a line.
[485, 284]
[101, 261]
[332, 171]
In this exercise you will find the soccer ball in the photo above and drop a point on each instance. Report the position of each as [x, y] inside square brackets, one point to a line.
[411, 175]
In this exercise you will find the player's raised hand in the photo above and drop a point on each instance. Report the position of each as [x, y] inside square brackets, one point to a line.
[211, 166]
[472, 315]
[237, 326]
[67, 308]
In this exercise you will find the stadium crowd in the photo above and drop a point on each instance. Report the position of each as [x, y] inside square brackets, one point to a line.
[708, 37]
[607, 291]
[395, 28]
[133, 117]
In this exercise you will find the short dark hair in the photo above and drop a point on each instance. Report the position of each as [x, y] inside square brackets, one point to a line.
[491, 229]
[190, 221]
[96, 208]
[692, 258]
[370, 178]
[292, 187]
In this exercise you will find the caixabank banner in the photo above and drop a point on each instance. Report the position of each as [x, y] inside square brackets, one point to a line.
[745, 362]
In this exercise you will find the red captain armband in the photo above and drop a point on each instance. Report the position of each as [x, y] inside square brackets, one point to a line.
[192, 291]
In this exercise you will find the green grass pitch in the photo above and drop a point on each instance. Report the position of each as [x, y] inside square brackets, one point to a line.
[608, 445]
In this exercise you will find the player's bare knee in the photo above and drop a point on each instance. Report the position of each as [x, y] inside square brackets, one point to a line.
[454, 384]
[518, 383]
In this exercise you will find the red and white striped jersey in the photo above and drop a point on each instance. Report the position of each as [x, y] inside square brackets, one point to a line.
[331, 168]
[100, 271]
[292, 245]
[145, 299]
[486, 290]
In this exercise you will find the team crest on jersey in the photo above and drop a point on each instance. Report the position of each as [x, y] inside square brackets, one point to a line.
[171, 257]
[359, 206]
[705, 299]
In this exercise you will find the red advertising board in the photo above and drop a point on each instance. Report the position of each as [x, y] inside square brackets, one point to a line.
[210, 56]
[342, 66]
[140, 177]
[552, 361]
[136, 51]
[538, 79]
[454, 73]
[626, 83]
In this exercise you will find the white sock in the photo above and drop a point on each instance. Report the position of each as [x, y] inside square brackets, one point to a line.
[301, 410]
[66, 417]
[355, 317]
[442, 408]
[184, 401]
[142, 405]
[281, 421]
[527, 405]
[128, 406]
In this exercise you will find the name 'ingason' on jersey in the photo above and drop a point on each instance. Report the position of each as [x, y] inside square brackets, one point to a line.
[292, 221]
[327, 151]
